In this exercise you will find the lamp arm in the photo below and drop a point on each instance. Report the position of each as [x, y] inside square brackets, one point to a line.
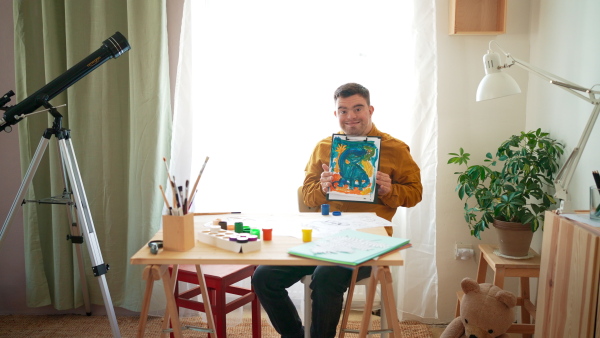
[564, 176]
[567, 85]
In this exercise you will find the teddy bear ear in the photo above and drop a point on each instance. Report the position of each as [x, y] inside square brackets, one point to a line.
[469, 285]
[508, 298]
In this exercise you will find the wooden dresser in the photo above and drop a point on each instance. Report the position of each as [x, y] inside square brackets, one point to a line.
[568, 291]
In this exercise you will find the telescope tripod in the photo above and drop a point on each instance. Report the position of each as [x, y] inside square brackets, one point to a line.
[73, 200]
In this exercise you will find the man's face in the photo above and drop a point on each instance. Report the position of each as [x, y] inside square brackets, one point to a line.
[354, 115]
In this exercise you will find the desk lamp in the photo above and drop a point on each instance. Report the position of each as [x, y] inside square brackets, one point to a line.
[498, 84]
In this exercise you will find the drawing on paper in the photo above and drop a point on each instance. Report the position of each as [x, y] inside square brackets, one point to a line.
[345, 244]
[354, 163]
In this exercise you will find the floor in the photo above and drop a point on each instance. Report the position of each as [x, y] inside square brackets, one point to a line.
[357, 315]
[436, 330]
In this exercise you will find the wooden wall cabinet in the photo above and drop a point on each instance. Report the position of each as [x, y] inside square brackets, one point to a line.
[568, 291]
[477, 17]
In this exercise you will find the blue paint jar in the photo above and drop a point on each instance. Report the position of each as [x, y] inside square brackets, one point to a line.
[324, 209]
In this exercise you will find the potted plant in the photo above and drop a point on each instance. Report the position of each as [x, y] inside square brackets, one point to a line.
[515, 195]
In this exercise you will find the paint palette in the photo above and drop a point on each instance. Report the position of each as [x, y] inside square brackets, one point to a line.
[229, 240]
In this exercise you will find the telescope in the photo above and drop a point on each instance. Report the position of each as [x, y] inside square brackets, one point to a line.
[112, 47]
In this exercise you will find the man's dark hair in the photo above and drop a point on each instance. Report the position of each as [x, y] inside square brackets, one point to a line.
[350, 89]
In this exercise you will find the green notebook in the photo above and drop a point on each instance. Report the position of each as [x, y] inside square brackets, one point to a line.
[349, 247]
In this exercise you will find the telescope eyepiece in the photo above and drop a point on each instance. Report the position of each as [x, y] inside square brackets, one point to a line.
[6, 98]
[117, 44]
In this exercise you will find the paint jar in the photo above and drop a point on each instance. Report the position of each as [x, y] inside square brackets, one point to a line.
[267, 234]
[239, 227]
[255, 232]
[306, 235]
[324, 209]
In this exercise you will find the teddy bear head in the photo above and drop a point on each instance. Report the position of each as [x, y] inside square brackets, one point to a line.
[486, 310]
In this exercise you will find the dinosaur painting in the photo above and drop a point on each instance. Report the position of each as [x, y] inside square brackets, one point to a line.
[354, 162]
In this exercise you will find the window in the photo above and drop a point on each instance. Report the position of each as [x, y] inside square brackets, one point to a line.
[263, 78]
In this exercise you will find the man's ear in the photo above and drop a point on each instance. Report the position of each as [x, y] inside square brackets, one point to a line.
[371, 109]
[335, 113]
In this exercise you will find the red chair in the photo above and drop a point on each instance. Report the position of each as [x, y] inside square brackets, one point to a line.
[219, 282]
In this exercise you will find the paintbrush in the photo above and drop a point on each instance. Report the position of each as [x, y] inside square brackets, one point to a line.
[191, 199]
[185, 201]
[170, 180]
[164, 196]
[597, 180]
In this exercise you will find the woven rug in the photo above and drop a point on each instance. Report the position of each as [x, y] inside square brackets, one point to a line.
[99, 326]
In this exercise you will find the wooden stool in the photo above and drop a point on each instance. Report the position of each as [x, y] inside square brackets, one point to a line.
[219, 281]
[505, 267]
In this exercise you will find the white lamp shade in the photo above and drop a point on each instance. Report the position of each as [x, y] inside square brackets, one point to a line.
[495, 83]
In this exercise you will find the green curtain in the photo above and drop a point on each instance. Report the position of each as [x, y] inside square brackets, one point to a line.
[120, 121]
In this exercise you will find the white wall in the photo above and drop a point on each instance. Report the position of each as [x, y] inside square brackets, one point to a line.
[564, 42]
[478, 127]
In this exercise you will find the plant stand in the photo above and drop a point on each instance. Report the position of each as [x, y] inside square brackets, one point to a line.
[502, 267]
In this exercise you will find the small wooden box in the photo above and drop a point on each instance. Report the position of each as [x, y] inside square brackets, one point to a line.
[477, 17]
[178, 232]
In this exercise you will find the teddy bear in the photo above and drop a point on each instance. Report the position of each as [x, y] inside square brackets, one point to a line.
[486, 311]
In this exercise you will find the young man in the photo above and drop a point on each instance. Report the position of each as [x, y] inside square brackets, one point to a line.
[399, 184]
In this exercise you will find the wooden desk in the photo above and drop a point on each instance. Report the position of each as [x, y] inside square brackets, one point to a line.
[272, 253]
[569, 289]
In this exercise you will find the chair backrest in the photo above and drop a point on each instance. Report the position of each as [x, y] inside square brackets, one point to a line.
[301, 206]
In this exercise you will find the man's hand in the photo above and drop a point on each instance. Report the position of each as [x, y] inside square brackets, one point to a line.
[383, 181]
[326, 178]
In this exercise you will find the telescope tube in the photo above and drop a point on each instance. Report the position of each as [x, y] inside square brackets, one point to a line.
[112, 47]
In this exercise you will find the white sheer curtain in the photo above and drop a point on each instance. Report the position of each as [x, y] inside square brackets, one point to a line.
[255, 94]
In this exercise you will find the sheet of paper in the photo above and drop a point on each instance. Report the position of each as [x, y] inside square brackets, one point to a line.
[349, 247]
[583, 218]
[321, 225]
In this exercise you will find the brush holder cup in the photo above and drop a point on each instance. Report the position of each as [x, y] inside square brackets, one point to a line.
[594, 203]
[178, 232]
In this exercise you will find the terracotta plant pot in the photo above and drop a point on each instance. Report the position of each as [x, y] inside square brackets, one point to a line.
[515, 238]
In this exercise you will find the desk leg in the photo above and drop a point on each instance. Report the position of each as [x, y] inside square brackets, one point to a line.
[387, 293]
[171, 305]
[207, 306]
[383, 275]
[146, 275]
[167, 318]
[370, 297]
[348, 302]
